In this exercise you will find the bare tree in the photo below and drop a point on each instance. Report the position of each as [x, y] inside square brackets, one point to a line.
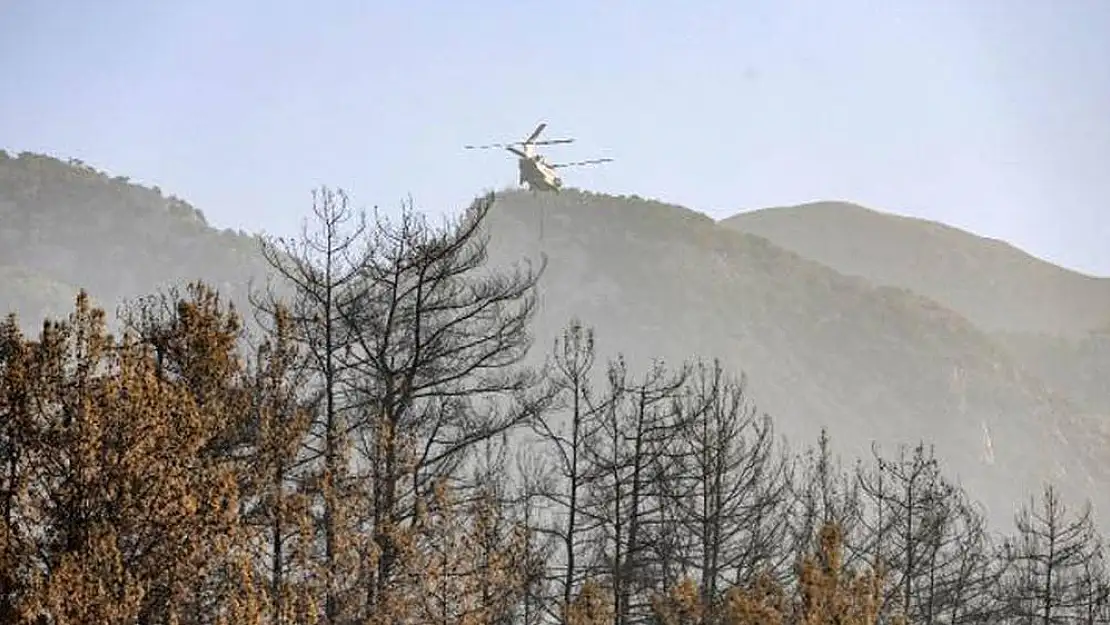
[318, 276]
[959, 570]
[1094, 588]
[965, 567]
[625, 497]
[728, 483]
[570, 376]
[916, 512]
[1049, 558]
[436, 344]
[543, 542]
[824, 493]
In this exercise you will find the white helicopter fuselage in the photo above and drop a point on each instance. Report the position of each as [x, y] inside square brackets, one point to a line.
[537, 174]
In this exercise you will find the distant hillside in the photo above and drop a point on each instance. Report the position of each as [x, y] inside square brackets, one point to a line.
[1054, 321]
[995, 285]
[873, 363]
[64, 225]
[1076, 367]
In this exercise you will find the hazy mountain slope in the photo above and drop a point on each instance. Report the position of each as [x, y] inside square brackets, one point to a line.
[820, 348]
[995, 285]
[36, 296]
[1041, 313]
[1077, 367]
[65, 225]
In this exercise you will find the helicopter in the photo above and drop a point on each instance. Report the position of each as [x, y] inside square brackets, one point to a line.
[535, 171]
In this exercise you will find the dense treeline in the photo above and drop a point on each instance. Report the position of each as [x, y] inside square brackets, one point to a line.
[381, 454]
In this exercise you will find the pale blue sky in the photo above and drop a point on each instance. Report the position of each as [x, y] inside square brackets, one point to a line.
[993, 115]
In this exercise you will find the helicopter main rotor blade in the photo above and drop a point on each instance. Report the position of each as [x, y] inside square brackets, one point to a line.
[579, 163]
[488, 146]
[516, 151]
[535, 133]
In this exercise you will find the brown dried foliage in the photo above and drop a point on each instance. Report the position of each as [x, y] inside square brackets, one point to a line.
[118, 505]
[824, 593]
[592, 606]
[157, 478]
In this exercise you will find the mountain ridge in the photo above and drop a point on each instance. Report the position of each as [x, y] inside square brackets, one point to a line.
[994, 283]
[849, 205]
[1063, 333]
[843, 342]
[875, 363]
[64, 225]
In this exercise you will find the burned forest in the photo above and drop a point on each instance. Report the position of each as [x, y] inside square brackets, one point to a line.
[367, 442]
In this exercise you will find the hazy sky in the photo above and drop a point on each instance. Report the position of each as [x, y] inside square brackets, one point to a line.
[993, 115]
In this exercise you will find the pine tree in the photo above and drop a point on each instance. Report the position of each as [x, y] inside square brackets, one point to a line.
[127, 507]
[563, 486]
[1048, 559]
